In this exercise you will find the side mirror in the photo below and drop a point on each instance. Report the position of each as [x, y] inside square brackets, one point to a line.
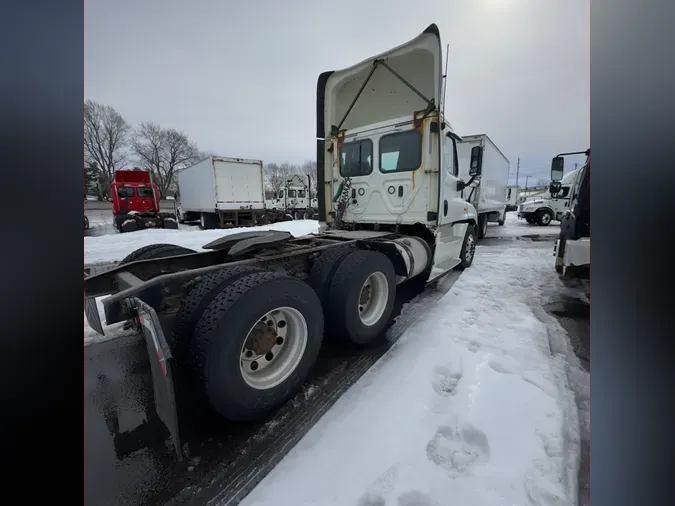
[476, 161]
[557, 168]
[554, 187]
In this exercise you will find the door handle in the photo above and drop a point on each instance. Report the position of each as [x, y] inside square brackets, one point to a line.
[400, 191]
[353, 193]
[445, 208]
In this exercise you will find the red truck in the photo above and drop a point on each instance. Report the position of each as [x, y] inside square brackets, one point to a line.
[136, 203]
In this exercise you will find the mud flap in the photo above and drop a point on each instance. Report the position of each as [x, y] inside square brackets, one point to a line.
[162, 382]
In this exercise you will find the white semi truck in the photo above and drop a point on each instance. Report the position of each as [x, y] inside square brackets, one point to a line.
[572, 250]
[240, 325]
[541, 210]
[294, 198]
[488, 193]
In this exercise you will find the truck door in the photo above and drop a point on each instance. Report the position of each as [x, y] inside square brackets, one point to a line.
[451, 209]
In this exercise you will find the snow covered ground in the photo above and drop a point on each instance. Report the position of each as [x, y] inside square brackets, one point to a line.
[470, 406]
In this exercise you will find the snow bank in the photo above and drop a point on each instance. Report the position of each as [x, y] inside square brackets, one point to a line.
[469, 408]
[114, 247]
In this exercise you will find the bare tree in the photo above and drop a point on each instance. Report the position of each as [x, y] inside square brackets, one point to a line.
[309, 169]
[106, 139]
[275, 176]
[163, 152]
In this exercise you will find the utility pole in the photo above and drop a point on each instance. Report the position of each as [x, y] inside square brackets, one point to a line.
[517, 170]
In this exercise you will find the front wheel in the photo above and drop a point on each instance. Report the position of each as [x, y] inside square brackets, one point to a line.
[468, 249]
[255, 344]
[544, 218]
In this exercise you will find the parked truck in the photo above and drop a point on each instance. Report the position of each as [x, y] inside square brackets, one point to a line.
[488, 193]
[542, 209]
[512, 194]
[135, 200]
[220, 192]
[572, 250]
[294, 198]
[240, 324]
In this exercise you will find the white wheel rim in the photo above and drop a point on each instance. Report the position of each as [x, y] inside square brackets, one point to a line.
[373, 298]
[273, 348]
[202, 221]
[546, 218]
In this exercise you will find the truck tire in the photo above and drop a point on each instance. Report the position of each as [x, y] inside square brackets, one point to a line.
[229, 358]
[361, 297]
[208, 221]
[468, 250]
[155, 251]
[323, 270]
[86, 223]
[482, 225]
[193, 304]
[502, 221]
[530, 220]
[544, 217]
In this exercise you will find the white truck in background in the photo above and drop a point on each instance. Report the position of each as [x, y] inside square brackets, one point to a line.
[512, 194]
[488, 192]
[543, 209]
[294, 198]
[220, 192]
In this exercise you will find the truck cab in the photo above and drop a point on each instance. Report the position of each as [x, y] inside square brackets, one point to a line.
[294, 197]
[541, 210]
[135, 202]
[572, 250]
[391, 163]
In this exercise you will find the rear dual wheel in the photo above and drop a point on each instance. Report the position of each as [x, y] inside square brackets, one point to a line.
[357, 290]
[255, 342]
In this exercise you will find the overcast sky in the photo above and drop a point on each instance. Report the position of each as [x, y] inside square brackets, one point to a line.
[240, 77]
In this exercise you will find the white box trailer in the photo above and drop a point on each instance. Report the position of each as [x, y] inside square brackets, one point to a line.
[221, 191]
[488, 193]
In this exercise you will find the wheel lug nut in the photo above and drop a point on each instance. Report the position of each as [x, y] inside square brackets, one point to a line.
[280, 340]
[269, 356]
[249, 353]
[281, 324]
[254, 366]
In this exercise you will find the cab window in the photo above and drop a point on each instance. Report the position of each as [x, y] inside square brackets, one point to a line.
[401, 151]
[356, 158]
[291, 194]
[144, 192]
[125, 192]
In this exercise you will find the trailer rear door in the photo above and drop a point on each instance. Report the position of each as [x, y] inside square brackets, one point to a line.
[239, 183]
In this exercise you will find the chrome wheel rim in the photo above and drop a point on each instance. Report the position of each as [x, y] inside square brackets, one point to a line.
[273, 348]
[373, 298]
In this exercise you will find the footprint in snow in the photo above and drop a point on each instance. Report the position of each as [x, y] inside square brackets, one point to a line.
[473, 346]
[380, 489]
[458, 449]
[445, 380]
[415, 498]
[504, 365]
